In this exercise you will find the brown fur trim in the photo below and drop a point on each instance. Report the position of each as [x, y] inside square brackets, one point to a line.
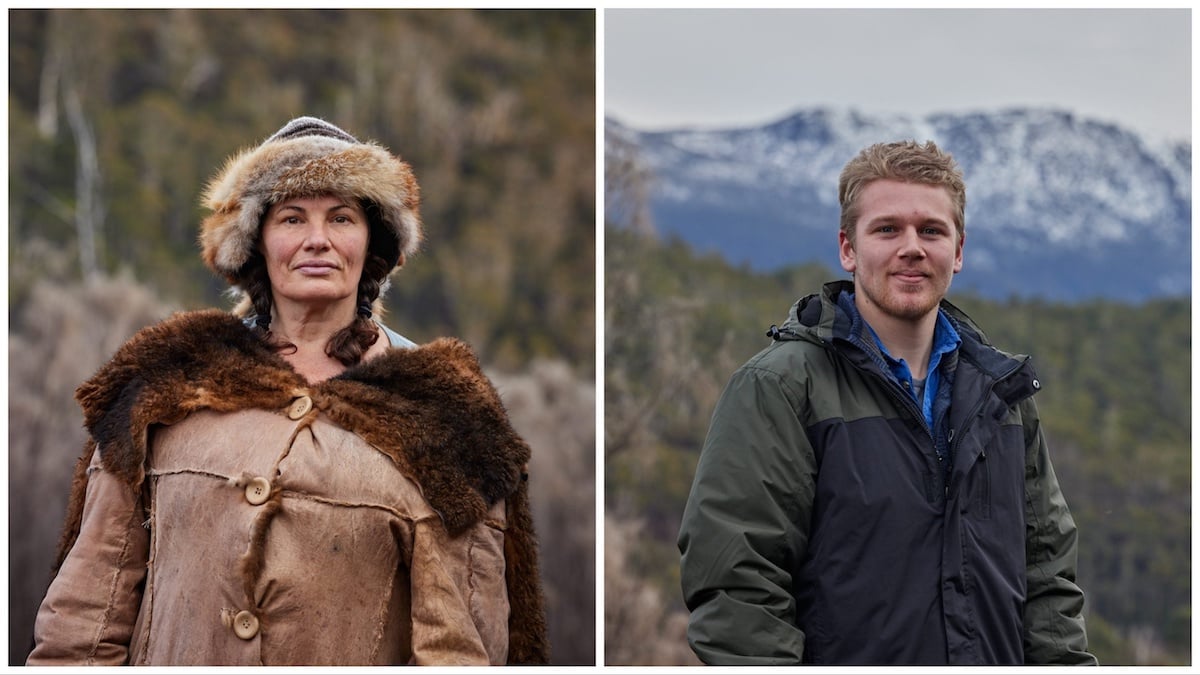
[305, 166]
[527, 633]
[431, 409]
[189, 362]
[253, 560]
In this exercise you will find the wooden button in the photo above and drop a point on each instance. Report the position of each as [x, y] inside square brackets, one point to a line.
[257, 490]
[300, 407]
[245, 625]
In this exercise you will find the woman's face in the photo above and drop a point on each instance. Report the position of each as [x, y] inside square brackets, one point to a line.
[315, 248]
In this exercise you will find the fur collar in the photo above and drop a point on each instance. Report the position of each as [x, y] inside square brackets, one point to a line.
[431, 409]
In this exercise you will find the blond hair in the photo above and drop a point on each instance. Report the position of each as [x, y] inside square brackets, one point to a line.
[905, 161]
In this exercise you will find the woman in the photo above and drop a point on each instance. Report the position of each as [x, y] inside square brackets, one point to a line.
[295, 483]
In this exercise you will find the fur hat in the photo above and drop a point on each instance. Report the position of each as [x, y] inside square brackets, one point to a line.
[306, 158]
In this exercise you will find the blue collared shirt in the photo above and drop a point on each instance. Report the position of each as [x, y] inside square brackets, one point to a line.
[945, 341]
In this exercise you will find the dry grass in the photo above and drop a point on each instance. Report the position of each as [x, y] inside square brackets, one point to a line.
[556, 414]
[63, 334]
[638, 629]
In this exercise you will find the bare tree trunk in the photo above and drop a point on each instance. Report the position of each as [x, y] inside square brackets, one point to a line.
[628, 184]
[89, 213]
[47, 115]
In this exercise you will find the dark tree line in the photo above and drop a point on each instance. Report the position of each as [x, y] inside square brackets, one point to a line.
[117, 118]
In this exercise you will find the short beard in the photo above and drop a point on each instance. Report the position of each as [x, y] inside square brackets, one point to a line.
[905, 308]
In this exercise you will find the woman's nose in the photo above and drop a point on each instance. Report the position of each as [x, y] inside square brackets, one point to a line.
[317, 236]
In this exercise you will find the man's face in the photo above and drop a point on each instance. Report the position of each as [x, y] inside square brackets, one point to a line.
[905, 250]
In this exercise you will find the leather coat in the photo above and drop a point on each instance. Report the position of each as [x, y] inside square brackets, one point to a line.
[226, 511]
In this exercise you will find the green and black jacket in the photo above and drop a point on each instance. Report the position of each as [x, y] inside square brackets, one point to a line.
[820, 528]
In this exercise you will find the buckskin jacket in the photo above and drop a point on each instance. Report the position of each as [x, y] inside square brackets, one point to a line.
[226, 511]
[820, 528]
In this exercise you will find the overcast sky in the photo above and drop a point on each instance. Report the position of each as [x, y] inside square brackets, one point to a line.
[724, 67]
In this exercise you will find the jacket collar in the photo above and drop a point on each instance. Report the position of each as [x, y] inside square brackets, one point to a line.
[819, 319]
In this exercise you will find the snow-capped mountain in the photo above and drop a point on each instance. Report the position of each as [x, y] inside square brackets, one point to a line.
[1058, 206]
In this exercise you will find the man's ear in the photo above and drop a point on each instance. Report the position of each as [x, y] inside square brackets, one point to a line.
[846, 253]
[958, 255]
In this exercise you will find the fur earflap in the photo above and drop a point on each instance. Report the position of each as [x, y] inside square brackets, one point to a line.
[307, 158]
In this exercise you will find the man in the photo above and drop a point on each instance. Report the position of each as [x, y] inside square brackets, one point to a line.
[875, 487]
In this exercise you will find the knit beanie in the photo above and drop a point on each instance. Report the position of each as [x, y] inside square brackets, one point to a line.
[308, 157]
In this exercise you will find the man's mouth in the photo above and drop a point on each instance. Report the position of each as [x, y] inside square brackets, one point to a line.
[910, 277]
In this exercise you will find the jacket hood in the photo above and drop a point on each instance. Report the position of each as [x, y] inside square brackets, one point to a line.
[818, 319]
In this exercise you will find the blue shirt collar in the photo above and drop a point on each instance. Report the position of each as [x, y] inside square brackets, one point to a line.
[945, 338]
[945, 341]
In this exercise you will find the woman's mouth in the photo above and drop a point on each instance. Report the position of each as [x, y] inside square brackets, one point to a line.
[315, 267]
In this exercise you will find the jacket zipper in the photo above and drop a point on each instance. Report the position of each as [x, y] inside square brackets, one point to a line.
[905, 398]
[953, 437]
[909, 403]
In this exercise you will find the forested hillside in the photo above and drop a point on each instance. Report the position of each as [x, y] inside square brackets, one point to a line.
[1115, 406]
[117, 118]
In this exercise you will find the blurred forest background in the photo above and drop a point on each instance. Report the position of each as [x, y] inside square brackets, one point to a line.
[1116, 409]
[117, 118]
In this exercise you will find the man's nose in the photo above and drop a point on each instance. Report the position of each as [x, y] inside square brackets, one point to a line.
[911, 245]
